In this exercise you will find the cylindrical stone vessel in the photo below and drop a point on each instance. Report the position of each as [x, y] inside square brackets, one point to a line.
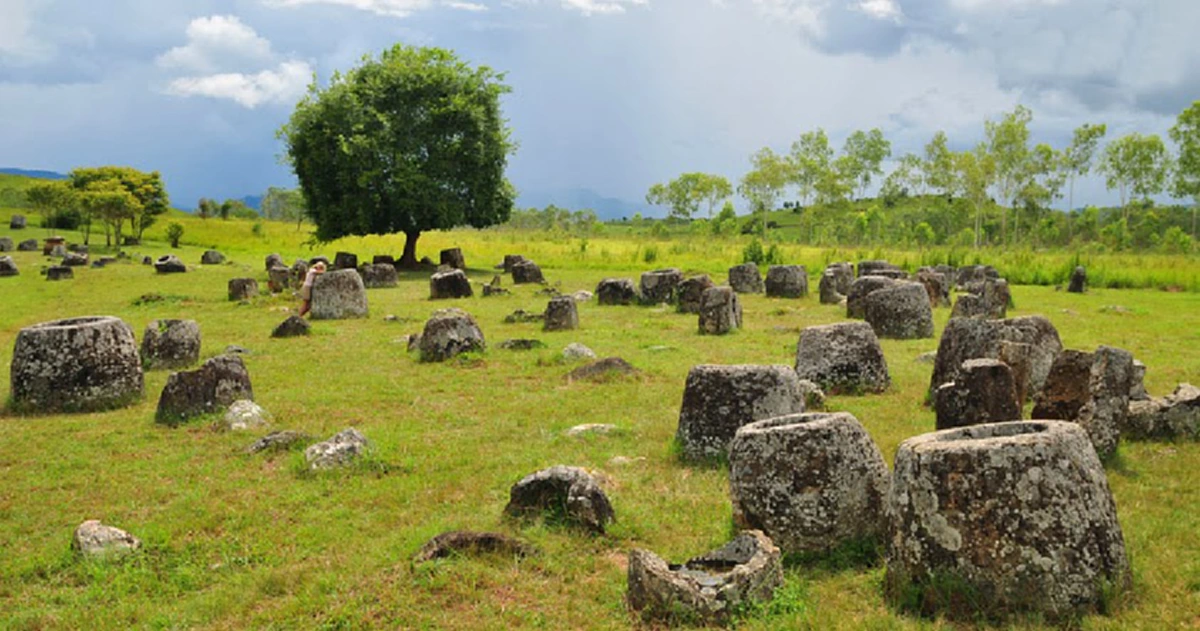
[717, 400]
[812, 482]
[80, 364]
[1012, 518]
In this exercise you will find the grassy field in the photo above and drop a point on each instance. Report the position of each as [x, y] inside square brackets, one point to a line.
[236, 541]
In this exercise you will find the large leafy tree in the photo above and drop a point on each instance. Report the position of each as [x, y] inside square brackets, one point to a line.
[864, 154]
[939, 164]
[765, 182]
[408, 142]
[684, 194]
[810, 162]
[973, 173]
[1078, 156]
[51, 198]
[1186, 135]
[149, 196]
[1135, 164]
[1008, 142]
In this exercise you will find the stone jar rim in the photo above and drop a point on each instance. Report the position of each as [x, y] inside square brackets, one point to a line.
[74, 323]
[992, 436]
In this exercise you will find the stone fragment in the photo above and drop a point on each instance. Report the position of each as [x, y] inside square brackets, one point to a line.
[708, 589]
[521, 316]
[1174, 417]
[8, 267]
[786, 281]
[974, 273]
[383, 259]
[973, 338]
[899, 312]
[450, 332]
[510, 261]
[814, 396]
[72, 259]
[169, 264]
[279, 278]
[988, 298]
[379, 276]
[746, 279]
[242, 288]
[856, 300]
[562, 494]
[79, 364]
[936, 285]
[527, 272]
[343, 260]
[6, 244]
[450, 284]
[575, 351]
[521, 345]
[561, 315]
[170, 344]
[616, 291]
[843, 358]
[210, 389]
[28, 245]
[1078, 283]
[278, 441]
[811, 482]
[462, 543]
[243, 415]
[878, 268]
[273, 260]
[340, 450]
[17, 222]
[717, 400]
[1017, 518]
[452, 257]
[1091, 389]
[298, 271]
[588, 429]
[293, 326]
[984, 393]
[720, 311]
[690, 293]
[601, 369]
[339, 294]
[494, 289]
[212, 257]
[58, 272]
[95, 540]
[1137, 385]
[660, 285]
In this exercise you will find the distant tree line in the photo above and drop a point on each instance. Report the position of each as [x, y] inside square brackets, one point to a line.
[113, 197]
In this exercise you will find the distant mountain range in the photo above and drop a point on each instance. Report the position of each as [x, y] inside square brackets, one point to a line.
[45, 175]
[606, 208]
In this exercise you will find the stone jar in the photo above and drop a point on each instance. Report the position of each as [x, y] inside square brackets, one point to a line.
[80, 364]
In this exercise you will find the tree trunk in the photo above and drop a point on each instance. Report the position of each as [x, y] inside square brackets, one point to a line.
[409, 258]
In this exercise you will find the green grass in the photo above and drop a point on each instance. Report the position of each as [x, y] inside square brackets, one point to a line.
[237, 541]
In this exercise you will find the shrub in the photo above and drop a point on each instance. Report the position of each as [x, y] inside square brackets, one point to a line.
[174, 233]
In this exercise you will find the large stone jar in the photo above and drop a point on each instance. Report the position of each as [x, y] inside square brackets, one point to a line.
[80, 364]
[1011, 518]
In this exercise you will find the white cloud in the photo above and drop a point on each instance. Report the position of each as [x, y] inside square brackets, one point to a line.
[284, 84]
[807, 15]
[881, 9]
[215, 41]
[17, 43]
[592, 7]
[465, 6]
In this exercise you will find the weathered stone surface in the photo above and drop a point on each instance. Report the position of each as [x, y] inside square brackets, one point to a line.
[567, 494]
[720, 311]
[1078, 283]
[843, 275]
[856, 300]
[59, 251]
[278, 279]
[842, 358]
[828, 288]
[273, 260]
[298, 271]
[79, 364]
[383, 259]
[71, 259]
[660, 285]
[590, 429]
[582, 295]
[521, 345]
[212, 257]
[278, 441]
[1020, 514]
[707, 589]
[340, 450]
[338, 295]
[170, 344]
[877, 268]
[452, 257]
[561, 315]
[243, 415]
[344, 260]
[616, 291]
[379, 276]
[50, 243]
[521, 316]
[526, 272]
[936, 284]
[494, 289]
[28, 245]
[17, 222]
[974, 273]
[450, 332]
[900, 312]
[1019, 358]
[242, 288]
[6, 244]
[450, 284]
[210, 389]
[462, 543]
[988, 298]
[169, 264]
[58, 272]
[1137, 384]
[973, 338]
[811, 482]
[1108, 406]
[746, 279]
[8, 267]
[1176, 416]
[95, 540]
[690, 293]
[510, 260]
[293, 326]
[717, 400]
[786, 281]
[984, 393]
[575, 350]
[814, 396]
[601, 369]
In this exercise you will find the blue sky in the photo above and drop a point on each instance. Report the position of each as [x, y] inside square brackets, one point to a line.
[608, 95]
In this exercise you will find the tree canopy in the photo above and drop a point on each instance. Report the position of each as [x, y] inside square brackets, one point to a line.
[413, 140]
[142, 197]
